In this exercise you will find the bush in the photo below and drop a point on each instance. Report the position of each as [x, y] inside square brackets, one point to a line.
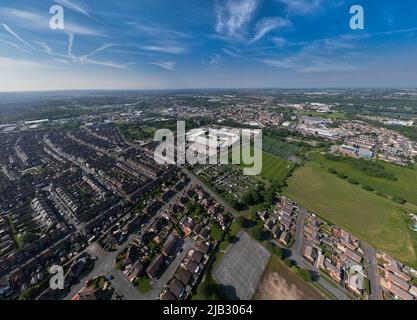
[368, 188]
[332, 171]
[276, 251]
[305, 274]
[350, 180]
[290, 263]
[399, 200]
[143, 284]
[342, 176]
[216, 233]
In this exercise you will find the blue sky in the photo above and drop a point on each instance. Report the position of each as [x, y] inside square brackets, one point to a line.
[171, 44]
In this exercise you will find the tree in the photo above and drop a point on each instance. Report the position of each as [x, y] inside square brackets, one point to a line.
[216, 233]
[241, 221]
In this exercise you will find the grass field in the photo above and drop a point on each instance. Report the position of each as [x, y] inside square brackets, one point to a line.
[404, 187]
[274, 167]
[374, 219]
[278, 148]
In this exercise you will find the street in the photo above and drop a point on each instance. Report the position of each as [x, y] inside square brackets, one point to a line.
[105, 263]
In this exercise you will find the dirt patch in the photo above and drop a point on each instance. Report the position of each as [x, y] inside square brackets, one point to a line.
[280, 283]
[275, 287]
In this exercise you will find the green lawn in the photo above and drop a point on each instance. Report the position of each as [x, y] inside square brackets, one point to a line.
[404, 187]
[274, 167]
[374, 219]
[278, 148]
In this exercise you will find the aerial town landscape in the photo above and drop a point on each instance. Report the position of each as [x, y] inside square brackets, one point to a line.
[85, 193]
[224, 150]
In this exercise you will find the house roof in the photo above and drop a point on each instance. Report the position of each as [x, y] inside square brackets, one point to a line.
[184, 276]
[177, 288]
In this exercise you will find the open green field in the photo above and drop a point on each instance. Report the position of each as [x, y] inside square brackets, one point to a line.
[374, 219]
[278, 148]
[274, 167]
[404, 187]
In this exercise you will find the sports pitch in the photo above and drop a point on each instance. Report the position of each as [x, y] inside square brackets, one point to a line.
[241, 268]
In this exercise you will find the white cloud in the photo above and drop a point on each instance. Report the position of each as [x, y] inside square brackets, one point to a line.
[45, 48]
[14, 34]
[231, 52]
[102, 48]
[108, 64]
[165, 49]
[157, 31]
[327, 66]
[70, 45]
[75, 6]
[18, 64]
[62, 61]
[286, 63]
[279, 41]
[304, 64]
[267, 25]
[167, 65]
[31, 20]
[302, 7]
[214, 62]
[232, 16]
[12, 44]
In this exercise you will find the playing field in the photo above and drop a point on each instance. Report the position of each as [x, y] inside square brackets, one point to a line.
[278, 148]
[241, 268]
[274, 167]
[404, 187]
[374, 219]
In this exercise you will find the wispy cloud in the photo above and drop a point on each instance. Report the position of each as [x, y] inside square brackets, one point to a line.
[301, 7]
[14, 34]
[159, 38]
[70, 45]
[232, 16]
[267, 25]
[109, 64]
[167, 65]
[157, 32]
[165, 49]
[214, 62]
[327, 66]
[75, 6]
[285, 63]
[32, 20]
[12, 44]
[231, 52]
[45, 48]
[18, 64]
[279, 41]
[100, 49]
[314, 66]
[61, 61]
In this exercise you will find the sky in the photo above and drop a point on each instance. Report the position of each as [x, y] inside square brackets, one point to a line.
[185, 44]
